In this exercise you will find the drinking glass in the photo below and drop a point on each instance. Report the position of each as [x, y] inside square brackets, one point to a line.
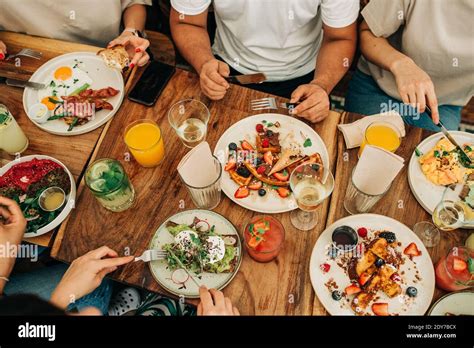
[428, 233]
[109, 183]
[448, 215]
[189, 119]
[453, 271]
[381, 134]
[207, 196]
[357, 201]
[311, 185]
[12, 139]
[145, 142]
[264, 236]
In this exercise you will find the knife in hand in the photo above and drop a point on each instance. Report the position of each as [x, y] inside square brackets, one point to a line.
[22, 83]
[446, 133]
[247, 79]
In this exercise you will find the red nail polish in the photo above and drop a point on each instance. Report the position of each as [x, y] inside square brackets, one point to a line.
[138, 49]
[2, 56]
[131, 66]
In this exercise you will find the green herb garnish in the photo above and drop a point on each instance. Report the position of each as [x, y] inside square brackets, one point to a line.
[307, 143]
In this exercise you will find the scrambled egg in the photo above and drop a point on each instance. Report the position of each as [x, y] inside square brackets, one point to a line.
[441, 164]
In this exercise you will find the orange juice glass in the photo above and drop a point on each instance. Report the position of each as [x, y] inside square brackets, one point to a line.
[381, 134]
[145, 142]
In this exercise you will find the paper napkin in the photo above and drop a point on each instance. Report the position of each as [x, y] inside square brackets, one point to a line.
[197, 168]
[354, 132]
[376, 170]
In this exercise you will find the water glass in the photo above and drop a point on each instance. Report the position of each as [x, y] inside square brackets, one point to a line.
[189, 119]
[357, 201]
[209, 196]
[428, 233]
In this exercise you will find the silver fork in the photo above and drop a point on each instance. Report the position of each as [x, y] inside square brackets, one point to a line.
[152, 255]
[270, 103]
[26, 52]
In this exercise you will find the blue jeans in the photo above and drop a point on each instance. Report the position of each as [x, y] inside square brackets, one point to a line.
[365, 97]
[43, 281]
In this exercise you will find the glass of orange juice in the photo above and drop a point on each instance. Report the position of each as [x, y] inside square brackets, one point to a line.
[381, 134]
[145, 142]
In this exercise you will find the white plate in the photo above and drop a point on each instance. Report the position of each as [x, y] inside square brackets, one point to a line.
[160, 271]
[271, 203]
[425, 192]
[102, 77]
[401, 304]
[70, 198]
[457, 303]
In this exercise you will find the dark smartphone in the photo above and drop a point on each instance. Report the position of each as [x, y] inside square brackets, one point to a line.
[152, 82]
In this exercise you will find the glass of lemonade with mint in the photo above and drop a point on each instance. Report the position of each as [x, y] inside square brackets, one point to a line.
[109, 183]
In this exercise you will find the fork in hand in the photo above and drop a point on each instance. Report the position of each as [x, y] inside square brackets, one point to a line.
[26, 52]
[152, 255]
[270, 103]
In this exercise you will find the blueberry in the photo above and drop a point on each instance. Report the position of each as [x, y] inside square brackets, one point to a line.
[258, 161]
[232, 146]
[412, 291]
[336, 295]
[243, 171]
[315, 166]
[379, 262]
[269, 133]
[388, 236]
[262, 192]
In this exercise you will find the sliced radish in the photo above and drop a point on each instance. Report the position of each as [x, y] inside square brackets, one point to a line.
[180, 276]
[202, 226]
[229, 240]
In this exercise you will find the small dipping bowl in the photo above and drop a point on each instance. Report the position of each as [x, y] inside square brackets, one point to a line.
[39, 113]
[48, 192]
[344, 238]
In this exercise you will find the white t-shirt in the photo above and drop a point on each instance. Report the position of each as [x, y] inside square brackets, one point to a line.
[278, 37]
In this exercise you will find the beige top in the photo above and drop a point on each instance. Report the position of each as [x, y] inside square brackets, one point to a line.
[84, 21]
[436, 34]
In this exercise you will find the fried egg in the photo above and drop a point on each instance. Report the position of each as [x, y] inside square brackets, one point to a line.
[64, 81]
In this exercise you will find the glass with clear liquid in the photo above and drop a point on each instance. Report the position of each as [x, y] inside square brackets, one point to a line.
[189, 119]
[12, 139]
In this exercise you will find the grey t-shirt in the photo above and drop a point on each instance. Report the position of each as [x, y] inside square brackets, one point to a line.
[86, 21]
[437, 34]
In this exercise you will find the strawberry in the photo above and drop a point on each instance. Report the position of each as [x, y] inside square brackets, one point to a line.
[364, 278]
[268, 158]
[352, 289]
[242, 192]
[259, 128]
[325, 267]
[459, 265]
[362, 232]
[261, 170]
[255, 185]
[380, 309]
[246, 145]
[282, 176]
[230, 165]
[412, 250]
[265, 143]
[283, 192]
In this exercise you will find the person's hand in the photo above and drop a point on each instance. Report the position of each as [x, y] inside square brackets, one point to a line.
[85, 274]
[212, 79]
[3, 50]
[213, 302]
[135, 46]
[314, 102]
[415, 87]
[12, 222]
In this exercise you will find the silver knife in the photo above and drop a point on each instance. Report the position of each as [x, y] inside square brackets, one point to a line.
[22, 83]
[446, 133]
[247, 79]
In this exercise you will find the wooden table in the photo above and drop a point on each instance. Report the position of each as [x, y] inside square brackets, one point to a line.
[399, 202]
[73, 151]
[279, 287]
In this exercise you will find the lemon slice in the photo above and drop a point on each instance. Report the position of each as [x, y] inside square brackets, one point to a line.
[98, 185]
[98, 170]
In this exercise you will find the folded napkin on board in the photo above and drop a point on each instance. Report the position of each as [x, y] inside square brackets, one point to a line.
[354, 132]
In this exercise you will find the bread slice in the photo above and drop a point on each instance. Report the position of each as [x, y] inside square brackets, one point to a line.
[115, 57]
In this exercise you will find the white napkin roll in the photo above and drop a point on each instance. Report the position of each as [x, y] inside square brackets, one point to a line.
[354, 132]
[197, 167]
[376, 170]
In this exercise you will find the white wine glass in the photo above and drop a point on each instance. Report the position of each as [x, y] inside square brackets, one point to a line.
[311, 185]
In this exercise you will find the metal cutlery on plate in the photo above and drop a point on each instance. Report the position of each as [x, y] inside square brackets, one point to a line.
[271, 104]
[152, 255]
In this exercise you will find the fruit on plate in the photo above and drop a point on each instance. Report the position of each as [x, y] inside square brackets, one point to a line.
[242, 192]
[380, 309]
[352, 289]
[412, 250]
[283, 192]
